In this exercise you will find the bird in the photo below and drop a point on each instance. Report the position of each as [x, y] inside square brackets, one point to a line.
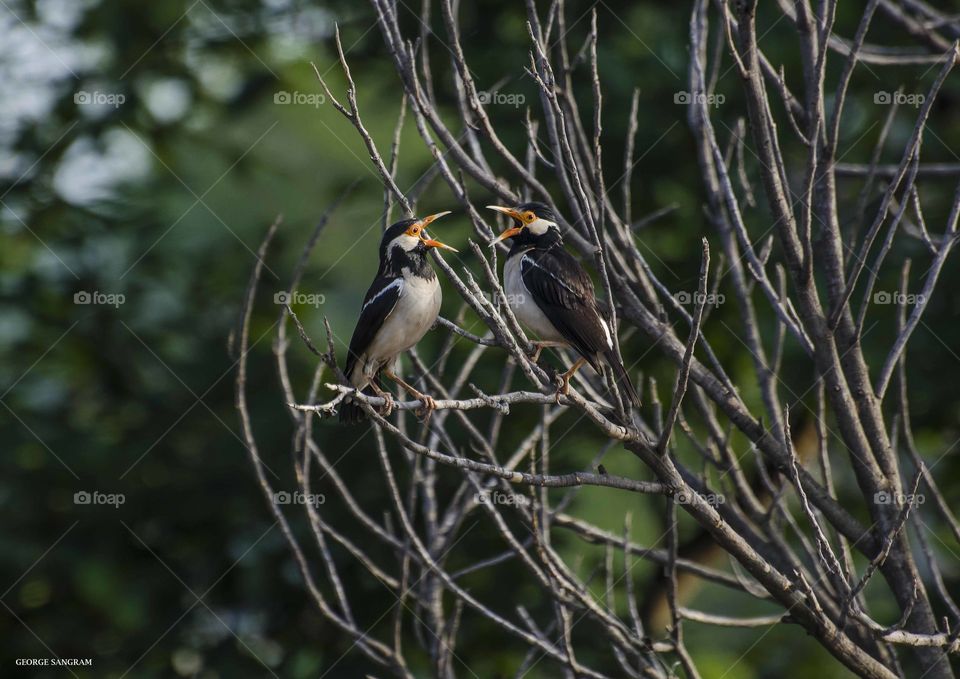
[551, 294]
[401, 305]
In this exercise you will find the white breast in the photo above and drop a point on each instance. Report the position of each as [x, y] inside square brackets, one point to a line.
[522, 304]
[415, 313]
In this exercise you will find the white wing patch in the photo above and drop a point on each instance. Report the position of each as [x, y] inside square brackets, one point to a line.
[397, 283]
[606, 331]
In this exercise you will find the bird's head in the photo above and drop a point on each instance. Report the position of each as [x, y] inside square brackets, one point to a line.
[409, 237]
[533, 224]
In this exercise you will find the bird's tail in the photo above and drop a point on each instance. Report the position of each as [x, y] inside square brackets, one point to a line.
[622, 379]
[352, 412]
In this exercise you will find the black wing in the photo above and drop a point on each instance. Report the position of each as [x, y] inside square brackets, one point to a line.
[378, 303]
[564, 292]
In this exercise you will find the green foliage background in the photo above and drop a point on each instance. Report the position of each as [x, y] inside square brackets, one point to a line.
[164, 198]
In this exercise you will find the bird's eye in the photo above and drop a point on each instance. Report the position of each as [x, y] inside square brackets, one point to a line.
[415, 231]
[528, 217]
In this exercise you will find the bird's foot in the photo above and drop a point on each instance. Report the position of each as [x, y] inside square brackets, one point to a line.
[429, 405]
[387, 408]
[563, 386]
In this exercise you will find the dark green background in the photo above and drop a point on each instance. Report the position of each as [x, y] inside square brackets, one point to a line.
[163, 199]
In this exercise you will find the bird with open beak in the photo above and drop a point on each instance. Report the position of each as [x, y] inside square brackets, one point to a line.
[401, 305]
[552, 295]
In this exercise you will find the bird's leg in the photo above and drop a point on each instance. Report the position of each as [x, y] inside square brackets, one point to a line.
[385, 395]
[564, 387]
[537, 351]
[540, 346]
[429, 405]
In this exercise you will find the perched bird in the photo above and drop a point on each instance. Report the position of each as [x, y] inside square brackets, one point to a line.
[401, 305]
[552, 295]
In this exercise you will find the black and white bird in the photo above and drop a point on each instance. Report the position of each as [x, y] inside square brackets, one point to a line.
[401, 305]
[552, 295]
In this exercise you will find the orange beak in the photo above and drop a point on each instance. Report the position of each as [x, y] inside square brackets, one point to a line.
[429, 242]
[513, 230]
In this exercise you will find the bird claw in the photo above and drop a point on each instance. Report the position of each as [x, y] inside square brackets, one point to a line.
[387, 408]
[565, 378]
[563, 388]
[429, 405]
